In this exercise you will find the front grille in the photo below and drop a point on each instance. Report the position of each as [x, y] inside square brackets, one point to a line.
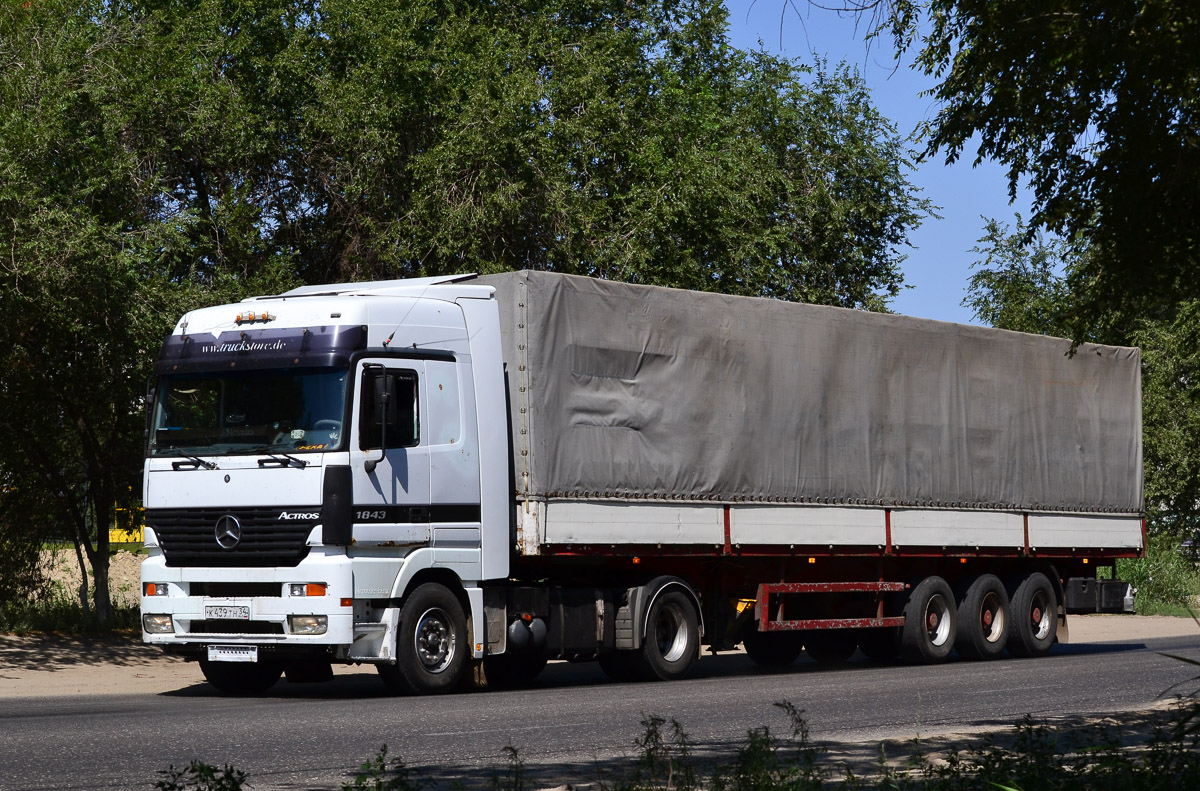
[188, 536]
[235, 627]
[234, 590]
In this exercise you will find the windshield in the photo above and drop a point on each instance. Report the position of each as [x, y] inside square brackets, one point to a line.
[266, 411]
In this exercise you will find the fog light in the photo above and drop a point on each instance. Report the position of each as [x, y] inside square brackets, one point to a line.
[157, 624]
[308, 624]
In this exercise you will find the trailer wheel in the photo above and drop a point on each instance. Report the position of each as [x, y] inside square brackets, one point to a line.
[241, 678]
[929, 622]
[512, 671]
[431, 645]
[830, 646]
[772, 649]
[879, 644]
[672, 637]
[983, 621]
[1035, 616]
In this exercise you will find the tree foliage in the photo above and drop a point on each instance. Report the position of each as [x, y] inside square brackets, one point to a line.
[160, 154]
[1094, 104]
[1017, 284]
[1023, 282]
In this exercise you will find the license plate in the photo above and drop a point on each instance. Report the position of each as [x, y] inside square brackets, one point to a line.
[233, 653]
[226, 612]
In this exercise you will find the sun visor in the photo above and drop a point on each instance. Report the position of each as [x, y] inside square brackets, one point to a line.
[292, 347]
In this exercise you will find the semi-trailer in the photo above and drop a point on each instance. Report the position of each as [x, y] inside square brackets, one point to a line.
[444, 475]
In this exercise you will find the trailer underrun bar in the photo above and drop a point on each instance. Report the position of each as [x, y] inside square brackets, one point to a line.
[762, 612]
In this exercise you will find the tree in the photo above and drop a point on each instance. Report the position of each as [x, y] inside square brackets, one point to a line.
[156, 155]
[1024, 283]
[621, 140]
[1017, 284]
[97, 264]
[1096, 105]
[1171, 419]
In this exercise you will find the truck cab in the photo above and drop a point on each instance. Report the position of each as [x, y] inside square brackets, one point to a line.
[313, 458]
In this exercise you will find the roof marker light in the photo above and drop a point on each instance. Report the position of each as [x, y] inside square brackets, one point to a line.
[249, 317]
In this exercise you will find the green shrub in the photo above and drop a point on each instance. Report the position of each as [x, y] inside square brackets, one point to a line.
[200, 776]
[1165, 578]
[1029, 756]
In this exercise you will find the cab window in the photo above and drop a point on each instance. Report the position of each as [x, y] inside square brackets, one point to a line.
[388, 405]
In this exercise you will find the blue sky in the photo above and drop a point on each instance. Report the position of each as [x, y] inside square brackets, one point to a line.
[937, 270]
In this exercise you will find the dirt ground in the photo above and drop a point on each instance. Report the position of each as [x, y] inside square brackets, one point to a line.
[123, 570]
[55, 665]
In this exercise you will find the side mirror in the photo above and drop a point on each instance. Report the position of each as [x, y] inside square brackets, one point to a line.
[386, 410]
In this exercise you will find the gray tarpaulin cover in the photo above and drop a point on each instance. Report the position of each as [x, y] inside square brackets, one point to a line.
[642, 392]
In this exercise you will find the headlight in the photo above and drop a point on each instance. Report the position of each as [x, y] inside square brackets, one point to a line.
[157, 624]
[306, 589]
[308, 624]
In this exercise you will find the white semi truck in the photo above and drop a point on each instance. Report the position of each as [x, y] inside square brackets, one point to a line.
[444, 475]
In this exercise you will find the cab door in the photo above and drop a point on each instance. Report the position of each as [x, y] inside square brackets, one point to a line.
[389, 453]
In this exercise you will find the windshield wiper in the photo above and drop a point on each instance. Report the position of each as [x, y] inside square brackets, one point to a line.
[195, 462]
[287, 460]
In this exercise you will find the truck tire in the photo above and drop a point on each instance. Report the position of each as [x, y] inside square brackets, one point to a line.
[622, 666]
[1034, 608]
[830, 646]
[241, 678]
[879, 644]
[431, 644]
[983, 620]
[512, 671]
[929, 630]
[672, 638]
[772, 649]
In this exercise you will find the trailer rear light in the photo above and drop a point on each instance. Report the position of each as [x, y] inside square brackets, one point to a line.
[154, 589]
[306, 589]
[308, 624]
[158, 624]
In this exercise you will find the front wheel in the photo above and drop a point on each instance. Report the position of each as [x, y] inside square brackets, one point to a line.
[431, 645]
[1035, 616]
[672, 637]
[929, 622]
[241, 678]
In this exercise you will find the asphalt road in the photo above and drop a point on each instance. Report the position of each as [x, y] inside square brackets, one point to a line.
[315, 736]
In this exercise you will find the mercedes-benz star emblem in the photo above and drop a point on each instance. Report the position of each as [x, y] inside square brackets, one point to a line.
[228, 532]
